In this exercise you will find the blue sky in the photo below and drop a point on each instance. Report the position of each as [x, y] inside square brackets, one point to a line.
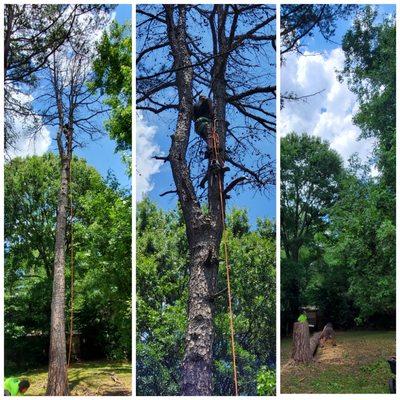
[100, 153]
[157, 141]
[330, 113]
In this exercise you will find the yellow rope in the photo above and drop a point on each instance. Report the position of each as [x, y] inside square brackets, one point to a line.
[215, 143]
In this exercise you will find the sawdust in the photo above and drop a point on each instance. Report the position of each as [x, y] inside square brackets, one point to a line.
[330, 354]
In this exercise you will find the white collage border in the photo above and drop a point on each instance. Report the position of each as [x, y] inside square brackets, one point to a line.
[278, 84]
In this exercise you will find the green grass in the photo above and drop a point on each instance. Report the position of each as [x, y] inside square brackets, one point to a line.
[99, 378]
[356, 365]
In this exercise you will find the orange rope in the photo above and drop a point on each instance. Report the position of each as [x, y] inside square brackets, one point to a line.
[215, 143]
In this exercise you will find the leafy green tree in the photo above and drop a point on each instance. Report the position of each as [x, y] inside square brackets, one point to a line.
[310, 173]
[102, 237]
[362, 246]
[370, 71]
[310, 183]
[113, 75]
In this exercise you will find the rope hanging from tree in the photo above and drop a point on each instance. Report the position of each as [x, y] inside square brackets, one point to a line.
[220, 161]
[71, 317]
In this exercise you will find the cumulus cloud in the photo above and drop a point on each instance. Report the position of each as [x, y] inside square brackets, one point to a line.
[329, 113]
[146, 166]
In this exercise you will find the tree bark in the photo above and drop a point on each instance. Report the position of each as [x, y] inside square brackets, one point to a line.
[304, 347]
[314, 342]
[203, 229]
[57, 381]
[197, 363]
[301, 342]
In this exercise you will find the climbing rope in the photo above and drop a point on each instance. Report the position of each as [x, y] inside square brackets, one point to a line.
[71, 317]
[218, 159]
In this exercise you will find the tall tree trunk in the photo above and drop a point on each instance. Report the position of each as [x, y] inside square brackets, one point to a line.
[204, 230]
[197, 363]
[57, 382]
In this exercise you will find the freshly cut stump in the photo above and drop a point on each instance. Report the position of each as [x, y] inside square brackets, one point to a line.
[301, 342]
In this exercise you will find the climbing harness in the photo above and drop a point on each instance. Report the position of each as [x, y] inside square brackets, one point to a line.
[219, 162]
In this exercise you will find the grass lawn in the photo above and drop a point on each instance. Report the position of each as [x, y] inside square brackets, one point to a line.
[99, 378]
[356, 365]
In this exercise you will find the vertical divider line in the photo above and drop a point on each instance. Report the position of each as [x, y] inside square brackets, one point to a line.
[2, 197]
[133, 183]
[397, 180]
[278, 200]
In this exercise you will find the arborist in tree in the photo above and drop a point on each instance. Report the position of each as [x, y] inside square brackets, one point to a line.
[203, 116]
[15, 387]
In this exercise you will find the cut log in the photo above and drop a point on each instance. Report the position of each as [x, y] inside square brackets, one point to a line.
[301, 342]
[314, 342]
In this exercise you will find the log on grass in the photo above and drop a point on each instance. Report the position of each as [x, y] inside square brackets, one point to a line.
[314, 342]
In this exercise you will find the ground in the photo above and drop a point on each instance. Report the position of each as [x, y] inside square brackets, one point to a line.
[100, 378]
[358, 364]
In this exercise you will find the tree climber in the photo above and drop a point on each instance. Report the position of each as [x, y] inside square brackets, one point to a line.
[15, 387]
[203, 116]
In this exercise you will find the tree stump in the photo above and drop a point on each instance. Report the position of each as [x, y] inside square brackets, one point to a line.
[301, 342]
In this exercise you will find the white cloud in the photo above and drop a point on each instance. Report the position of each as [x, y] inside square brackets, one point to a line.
[327, 114]
[28, 146]
[146, 166]
[28, 141]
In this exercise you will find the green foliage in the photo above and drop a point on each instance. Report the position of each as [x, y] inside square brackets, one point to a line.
[370, 70]
[362, 241]
[102, 237]
[113, 75]
[162, 278]
[310, 178]
[310, 174]
[266, 382]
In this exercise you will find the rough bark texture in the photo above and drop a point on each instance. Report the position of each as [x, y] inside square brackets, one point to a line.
[57, 384]
[301, 342]
[204, 231]
[314, 342]
[304, 347]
